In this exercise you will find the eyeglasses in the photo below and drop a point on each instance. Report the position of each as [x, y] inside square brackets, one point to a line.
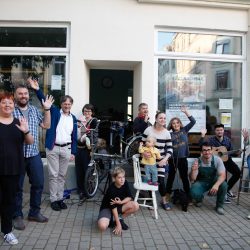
[87, 111]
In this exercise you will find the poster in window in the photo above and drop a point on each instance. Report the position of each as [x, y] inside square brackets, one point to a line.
[188, 90]
[225, 119]
[56, 82]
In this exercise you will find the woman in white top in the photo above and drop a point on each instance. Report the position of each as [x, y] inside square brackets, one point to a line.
[164, 144]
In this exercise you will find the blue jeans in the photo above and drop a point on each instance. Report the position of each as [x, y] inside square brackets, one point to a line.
[248, 165]
[151, 170]
[34, 170]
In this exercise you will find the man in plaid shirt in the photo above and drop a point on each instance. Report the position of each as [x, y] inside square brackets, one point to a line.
[33, 162]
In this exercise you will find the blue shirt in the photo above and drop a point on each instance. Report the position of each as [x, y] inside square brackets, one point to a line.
[214, 141]
[35, 118]
[180, 140]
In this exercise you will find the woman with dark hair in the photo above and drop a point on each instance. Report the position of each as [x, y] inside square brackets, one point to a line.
[164, 145]
[13, 133]
[179, 135]
[85, 122]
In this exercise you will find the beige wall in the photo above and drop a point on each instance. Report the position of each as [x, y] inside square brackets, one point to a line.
[119, 31]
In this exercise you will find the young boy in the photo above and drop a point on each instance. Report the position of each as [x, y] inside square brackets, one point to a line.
[150, 163]
[117, 203]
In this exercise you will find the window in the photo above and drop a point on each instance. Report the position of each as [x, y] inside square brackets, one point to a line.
[199, 43]
[222, 48]
[196, 70]
[40, 52]
[33, 37]
[222, 79]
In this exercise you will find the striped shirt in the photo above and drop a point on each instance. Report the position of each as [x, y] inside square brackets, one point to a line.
[35, 118]
[163, 143]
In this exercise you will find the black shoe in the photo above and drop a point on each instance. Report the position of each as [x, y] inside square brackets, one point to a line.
[81, 196]
[18, 223]
[62, 205]
[184, 208]
[38, 218]
[55, 206]
[124, 225]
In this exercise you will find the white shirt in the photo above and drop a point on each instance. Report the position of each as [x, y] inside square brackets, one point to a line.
[64, 128]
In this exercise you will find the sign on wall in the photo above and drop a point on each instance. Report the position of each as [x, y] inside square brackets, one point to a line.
[188, 90]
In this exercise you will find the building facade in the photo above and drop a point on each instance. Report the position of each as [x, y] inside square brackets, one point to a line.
[118, 53]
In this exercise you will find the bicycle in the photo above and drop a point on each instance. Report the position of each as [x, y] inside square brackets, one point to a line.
[127, 147]
[96, 171]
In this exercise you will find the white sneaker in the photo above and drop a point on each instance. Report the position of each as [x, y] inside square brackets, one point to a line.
[220, 210]
[11, 239]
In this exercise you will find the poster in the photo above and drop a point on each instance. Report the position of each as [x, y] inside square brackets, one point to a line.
[225, 103]
[56, 82]
[188, 90]
[226, 119]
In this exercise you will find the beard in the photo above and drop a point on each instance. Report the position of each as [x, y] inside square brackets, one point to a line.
[23, 103]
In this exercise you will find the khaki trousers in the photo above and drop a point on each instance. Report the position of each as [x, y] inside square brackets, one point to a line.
[58, 161]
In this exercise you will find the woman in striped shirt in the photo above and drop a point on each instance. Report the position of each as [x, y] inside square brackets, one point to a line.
[164, 144]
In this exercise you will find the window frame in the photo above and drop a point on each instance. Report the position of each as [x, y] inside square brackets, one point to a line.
[42, 51]
[204, 57]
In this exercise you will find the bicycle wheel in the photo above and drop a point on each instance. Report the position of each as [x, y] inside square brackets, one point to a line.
[132, 147]
[91, 180]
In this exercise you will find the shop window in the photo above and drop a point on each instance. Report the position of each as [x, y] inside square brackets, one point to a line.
[46, 37]
[49, 70]
[169, 42]
[192, 83]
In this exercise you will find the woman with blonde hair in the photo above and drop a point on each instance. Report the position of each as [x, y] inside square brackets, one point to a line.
[179, 135]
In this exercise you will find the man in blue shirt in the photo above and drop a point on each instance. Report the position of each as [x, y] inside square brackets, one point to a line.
[33, 162]
[60, 144]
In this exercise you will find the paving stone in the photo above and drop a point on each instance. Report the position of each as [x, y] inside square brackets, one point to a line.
[76, 228]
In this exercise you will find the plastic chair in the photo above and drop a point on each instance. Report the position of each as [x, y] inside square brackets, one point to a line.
[140, 186]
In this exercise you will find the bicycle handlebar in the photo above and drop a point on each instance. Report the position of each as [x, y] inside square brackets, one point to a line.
[108, 155]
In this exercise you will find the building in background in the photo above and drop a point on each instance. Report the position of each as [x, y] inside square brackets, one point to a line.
[118, 53]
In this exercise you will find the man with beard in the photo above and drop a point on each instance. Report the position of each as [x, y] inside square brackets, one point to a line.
[141, 122]
[221, 140]
[208, 174]
[33, 162]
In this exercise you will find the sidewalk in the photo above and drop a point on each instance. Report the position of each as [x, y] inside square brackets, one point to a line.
[199, 228]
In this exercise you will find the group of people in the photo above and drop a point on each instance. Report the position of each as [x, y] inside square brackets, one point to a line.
[208, 172]
[68, 138]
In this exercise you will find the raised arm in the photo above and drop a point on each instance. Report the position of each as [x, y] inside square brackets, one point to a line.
[245, 135]
[203, 134]
[45, 101]
[190, 117]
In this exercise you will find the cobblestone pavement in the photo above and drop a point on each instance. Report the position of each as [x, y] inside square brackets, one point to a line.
[199, 228]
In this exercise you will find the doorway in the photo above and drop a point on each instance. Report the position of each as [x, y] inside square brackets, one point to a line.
[111, 92]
